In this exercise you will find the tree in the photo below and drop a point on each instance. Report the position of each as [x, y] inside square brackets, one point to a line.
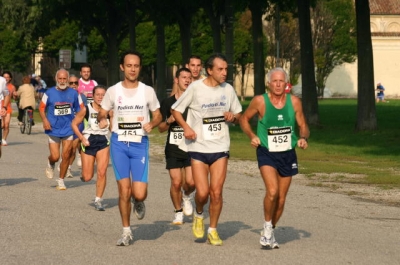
[243, 47]
[309, 91]
[366, 111]
[257, 9]
[334, 37]
[20, 19]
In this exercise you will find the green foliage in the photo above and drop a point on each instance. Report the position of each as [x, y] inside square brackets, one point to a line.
[334, 37]
[146, 42]
[62, 37]
[14, 56]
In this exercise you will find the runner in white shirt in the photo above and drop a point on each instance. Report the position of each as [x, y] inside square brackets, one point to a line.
[131, 102]
[212, 104]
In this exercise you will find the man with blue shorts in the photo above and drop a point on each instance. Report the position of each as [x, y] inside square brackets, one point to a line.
[131, 102]
[276, 138]
[212, 104]
[57, 110]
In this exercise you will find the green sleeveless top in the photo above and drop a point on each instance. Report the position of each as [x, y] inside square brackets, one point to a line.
[276, 129]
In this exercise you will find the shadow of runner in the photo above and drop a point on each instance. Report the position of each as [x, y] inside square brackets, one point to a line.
[285, 234]
[152, 231]
[10, 182]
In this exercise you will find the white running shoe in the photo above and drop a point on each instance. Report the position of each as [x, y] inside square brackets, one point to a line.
[50, 172]
[69, 174]
[187, 205]
[178, 218]
[267, 238]
[125, 239]
[3, 142]
[60, 184]
[98, 205]
[78, 160]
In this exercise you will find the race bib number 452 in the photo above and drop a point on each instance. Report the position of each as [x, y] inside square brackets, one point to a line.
[279, 139]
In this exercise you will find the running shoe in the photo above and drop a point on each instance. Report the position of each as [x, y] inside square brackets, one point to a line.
[187, 205]
[60, 184]
[125, 239]
[50, 172]
[213, 238]
[3, 142]
[178, 218]
[98, 205]
[198, 226]
[267, 238]
[78, 160]
[139, 209]
[69, 174]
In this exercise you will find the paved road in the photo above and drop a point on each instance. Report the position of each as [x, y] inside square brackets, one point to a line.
[40, 225]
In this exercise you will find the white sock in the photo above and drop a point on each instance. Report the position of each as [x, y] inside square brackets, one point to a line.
[198, 215]
[126, 229]
[210, 229]
[269, 223]
[97, 199]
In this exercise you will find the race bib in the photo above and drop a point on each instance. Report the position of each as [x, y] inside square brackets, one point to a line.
[62, 109]
[279, 139]
[94, 124]
[89, 97]
[130, 132]
[176, 135]
[213, 128]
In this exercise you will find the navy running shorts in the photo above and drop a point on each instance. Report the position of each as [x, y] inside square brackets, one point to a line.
[284, 162]
[208, 158]
[97, 143]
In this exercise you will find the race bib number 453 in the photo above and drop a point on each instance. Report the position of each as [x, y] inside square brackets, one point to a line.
[279, 139]
[214, 128]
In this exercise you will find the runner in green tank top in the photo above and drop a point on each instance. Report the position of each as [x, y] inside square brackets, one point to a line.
[275, 141]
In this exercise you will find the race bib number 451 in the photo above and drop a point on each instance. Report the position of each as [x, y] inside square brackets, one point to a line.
[130, 132]
[279, 139]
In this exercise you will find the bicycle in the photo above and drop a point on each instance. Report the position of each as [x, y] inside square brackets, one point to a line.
[27, 121]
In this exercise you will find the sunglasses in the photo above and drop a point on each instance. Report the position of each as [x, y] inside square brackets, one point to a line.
[74, 83]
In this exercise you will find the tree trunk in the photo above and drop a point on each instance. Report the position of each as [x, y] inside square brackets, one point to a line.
[184, 29]
[161, 63]
[366, 111]
[229, 40]
[113, 60]
[215, 25]
[257, 34]
[309, 91]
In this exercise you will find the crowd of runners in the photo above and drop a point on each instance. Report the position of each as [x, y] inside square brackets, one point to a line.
[90, 123]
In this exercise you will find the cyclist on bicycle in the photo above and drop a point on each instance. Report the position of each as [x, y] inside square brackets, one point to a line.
[26, 94]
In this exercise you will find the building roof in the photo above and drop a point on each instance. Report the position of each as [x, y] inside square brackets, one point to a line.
[384, 7]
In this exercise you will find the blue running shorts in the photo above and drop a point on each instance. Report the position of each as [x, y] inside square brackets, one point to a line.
[130, 159]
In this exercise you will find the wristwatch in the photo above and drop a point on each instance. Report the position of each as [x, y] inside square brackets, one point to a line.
[305, 138]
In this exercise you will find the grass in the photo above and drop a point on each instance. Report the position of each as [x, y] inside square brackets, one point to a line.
[336, 151]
